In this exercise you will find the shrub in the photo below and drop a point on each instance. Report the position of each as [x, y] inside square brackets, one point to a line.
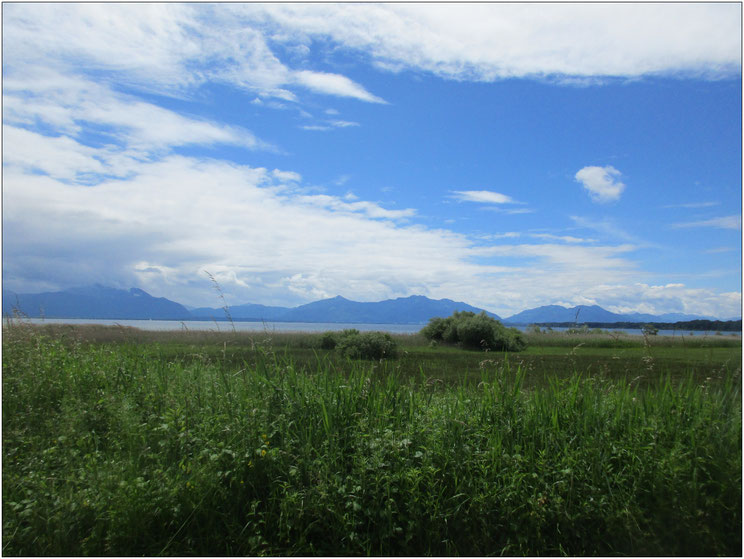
[474, 331]
[369, 345]
[328, 340]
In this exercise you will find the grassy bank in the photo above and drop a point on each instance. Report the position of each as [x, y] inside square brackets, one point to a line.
[192, 446]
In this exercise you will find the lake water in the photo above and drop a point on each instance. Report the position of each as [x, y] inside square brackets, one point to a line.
[222, 326]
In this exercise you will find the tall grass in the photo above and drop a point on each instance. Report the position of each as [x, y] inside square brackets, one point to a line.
[125, 449]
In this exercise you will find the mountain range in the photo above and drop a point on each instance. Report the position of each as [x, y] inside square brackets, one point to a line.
[94, 301]
[110, 303]
[591, 313]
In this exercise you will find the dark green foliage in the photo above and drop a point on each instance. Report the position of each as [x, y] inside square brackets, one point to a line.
[474, 331]
[368, 345]
[357, 345]
[328, 340]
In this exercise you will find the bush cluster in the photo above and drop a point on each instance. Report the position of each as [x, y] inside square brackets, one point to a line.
[474, 331]
[356, 345]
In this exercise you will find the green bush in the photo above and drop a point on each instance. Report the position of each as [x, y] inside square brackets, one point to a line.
[369, 345]
[328, 340]
[474, 331]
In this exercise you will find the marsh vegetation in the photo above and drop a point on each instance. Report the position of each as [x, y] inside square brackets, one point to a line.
[124, 442]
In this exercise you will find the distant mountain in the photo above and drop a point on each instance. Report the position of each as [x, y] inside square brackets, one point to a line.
[94, 301]
[243, 312]
[98, 301]
[590, 313]
[105, 302]
[415, 309]
[667, 317]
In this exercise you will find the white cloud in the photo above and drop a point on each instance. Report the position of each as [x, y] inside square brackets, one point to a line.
[329, 125]
[370, 209]
[175, 48]
[167, 48]
[693, 205]
[577, 43]
[725, 222]
[483, 197]
[343, 123]
[316, 127]
[75, 106]
[606, 227]
[563, 238]
[601, 182]
[660, 299]
[334, 84]
[286, 176]
[167, 221]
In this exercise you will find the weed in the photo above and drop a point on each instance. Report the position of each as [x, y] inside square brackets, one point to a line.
[188, 445]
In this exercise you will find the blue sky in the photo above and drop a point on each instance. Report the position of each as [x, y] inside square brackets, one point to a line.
[505, 155]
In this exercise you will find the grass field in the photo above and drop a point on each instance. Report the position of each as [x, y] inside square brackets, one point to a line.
[124, 442]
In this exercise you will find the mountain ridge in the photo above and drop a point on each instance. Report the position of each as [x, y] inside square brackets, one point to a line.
[98, 301]
[591, 313]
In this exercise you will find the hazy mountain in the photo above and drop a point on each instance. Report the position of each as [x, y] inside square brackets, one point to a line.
[667, 317]
[94, 301]
[98, 301]
[590, 313]
[415, 309]
[242, 312]
[105, 302]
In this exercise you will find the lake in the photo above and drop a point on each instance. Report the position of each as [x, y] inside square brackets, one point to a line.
[223, 326]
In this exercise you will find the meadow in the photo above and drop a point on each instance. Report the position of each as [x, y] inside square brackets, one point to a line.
[118, 441]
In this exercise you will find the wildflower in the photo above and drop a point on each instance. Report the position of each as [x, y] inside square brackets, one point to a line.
[263, 452]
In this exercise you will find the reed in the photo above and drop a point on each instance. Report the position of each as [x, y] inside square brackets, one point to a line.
[133, 449]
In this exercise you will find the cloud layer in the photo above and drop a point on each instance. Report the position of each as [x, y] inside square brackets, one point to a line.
[486, 42]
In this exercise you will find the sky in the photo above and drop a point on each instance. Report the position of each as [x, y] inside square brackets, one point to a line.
[504, 155]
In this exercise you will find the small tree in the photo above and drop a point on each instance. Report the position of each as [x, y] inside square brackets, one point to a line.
[474, 331]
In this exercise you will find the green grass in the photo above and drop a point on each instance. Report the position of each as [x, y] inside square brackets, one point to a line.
[209, 445]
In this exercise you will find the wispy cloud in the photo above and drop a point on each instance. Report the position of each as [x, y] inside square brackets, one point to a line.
[605, 226]
[168, 48]
[316, 127]
[483, 197]
[78, 107]
[563, 238]
[329, 125]
[343, 123]
[601, 183]
[725, 222]
[334, 84]
[693, 205]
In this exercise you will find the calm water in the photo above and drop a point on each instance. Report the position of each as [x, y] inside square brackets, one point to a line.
[292, 326]
[223, 326]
